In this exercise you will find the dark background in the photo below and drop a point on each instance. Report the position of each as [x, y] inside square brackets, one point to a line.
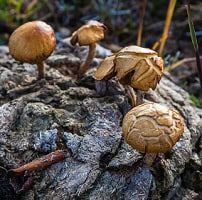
[122, 19]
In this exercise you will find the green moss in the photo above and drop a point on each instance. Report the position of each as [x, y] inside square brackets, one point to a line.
[195, 101]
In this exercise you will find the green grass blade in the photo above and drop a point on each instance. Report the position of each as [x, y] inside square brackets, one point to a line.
[194, 41]
[191, 27]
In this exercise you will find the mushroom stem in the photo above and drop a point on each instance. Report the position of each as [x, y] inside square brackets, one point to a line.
[132, 95]
[140, 95]
[41, 71]
[85, 65]
[149, 159]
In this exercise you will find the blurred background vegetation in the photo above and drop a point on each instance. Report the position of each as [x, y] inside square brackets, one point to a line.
[120, 16]
[122, 19]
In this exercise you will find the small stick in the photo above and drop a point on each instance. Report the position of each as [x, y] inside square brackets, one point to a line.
[139, 36]
[157, 43]
[179, 62]
[170, 11]
[44, 161]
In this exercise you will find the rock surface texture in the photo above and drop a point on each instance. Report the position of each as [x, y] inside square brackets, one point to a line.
[38, 117]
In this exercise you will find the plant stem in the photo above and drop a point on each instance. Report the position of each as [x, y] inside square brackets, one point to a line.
[139, 36]
[167, 24]
[179, 62]
[199, 66]
[40, 67]
[194, 42]
[85, 65]
[156, 44]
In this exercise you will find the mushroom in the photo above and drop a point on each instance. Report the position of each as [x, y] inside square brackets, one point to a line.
[33, 42]
[88, 35]
[152, 128]
[136, 67]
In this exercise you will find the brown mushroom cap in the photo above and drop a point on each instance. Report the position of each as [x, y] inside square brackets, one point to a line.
[141, 68]
[133, 49]
[106, 69]
[89, 33]
[152, 128]
[145, 66]
[32, 42]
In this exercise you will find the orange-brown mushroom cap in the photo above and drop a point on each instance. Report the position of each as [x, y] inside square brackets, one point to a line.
[91, 32]
[146, 65]
[106, 69]
[152, 128]
[139, 67]
[32, 42]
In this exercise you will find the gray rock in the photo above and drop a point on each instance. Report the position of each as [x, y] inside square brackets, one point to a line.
[122, 184]
[36, 117]
[104, 133]
[45, 141]
[73, 142]
[9, 114]
[192, 177]
[139, 185]
[66, 180]
[57, 60]
[126, 157]
[62, 113]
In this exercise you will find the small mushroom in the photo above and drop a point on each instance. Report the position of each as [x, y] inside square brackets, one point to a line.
[33, 42]
[88, 35]
[152, 128]
[134, 66]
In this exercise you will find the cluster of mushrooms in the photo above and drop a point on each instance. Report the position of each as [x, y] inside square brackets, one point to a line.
[148, 127]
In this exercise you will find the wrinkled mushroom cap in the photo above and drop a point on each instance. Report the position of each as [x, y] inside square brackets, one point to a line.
[91, 32]
[152, 128]
[32, 42]
[141, 65]
[141, 68]
[133, 49]
[106, 69]
[129, 57]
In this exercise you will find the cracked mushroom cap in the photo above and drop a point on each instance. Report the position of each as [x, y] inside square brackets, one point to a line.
[152, 128]
[32, 42]
[105, 69]
[129, 57]
[141, 68]
[91, 32]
